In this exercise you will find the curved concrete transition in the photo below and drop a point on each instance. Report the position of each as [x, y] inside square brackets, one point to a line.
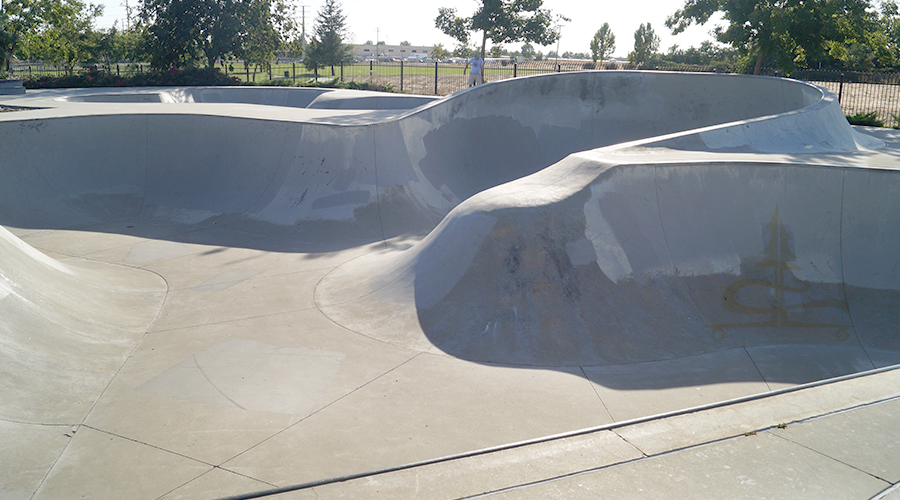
[207, 280]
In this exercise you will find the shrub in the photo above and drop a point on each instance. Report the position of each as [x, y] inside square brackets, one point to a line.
[869, 119]
[335, 84]
[275, 82]
[172, 78]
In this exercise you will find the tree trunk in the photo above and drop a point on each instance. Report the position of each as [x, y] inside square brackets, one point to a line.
[483, 45]
[759, 62]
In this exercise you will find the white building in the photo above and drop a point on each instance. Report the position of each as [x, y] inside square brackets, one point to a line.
[369, 51]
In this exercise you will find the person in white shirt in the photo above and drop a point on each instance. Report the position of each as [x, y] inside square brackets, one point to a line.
[476, 76]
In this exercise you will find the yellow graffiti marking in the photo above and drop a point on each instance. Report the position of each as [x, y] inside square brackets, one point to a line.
[778, 256]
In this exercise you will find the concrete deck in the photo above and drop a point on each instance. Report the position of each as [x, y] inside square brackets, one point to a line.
[201, 299]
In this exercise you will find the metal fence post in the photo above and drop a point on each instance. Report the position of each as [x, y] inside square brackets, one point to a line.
[342, 71]
[401, 76]
[515, 69]
[435, 77]
[841, 88]
[293, 71]
[558, 68]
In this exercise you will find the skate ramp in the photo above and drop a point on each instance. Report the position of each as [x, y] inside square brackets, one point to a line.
[65, 329]
[389, 174]
[639, 263]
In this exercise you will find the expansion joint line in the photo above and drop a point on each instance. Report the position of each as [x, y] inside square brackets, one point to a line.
[820, 453]
[761, 376]
[298, 422]
[583, 372]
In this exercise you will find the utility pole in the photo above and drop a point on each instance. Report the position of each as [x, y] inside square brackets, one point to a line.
[127, 14]
[303, 26]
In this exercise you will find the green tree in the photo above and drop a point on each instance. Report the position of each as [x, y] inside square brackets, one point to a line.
[646, 44]
[886, 38]
[60, 31]
[463, 51]
[327, 47]
[180, 32]
[263, 22]
[8, 41]
[792, 31]
[603, 44]
[439, 52]
[114, 45]
[404, 43]
[501, 21]
[528, 52]
[67, 36]
[183, 31]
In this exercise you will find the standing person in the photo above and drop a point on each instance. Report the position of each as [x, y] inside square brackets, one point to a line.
[476, 76]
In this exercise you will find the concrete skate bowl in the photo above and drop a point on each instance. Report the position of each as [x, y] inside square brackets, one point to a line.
[506, 275]
[313, 98]
[633, 255]
[387, 172]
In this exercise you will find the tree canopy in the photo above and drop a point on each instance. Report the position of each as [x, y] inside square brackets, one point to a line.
[603, 44]
[501, 21]
[59, 31]
[8, 41]
[793, 31]
[327, 47]
[181, 31]
[646, 44]
[439, 52]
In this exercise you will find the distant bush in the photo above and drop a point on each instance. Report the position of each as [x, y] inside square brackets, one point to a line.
[274, 82]
[191, 77]
[335, 84]
[172, 78]
[870, 119]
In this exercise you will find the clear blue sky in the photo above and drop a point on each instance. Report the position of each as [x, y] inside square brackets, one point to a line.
[414, 21]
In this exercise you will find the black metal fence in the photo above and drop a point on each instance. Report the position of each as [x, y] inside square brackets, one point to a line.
[859, 93]
[37, 70]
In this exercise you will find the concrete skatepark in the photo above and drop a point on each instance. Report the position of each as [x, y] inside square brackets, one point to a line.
[614, 284]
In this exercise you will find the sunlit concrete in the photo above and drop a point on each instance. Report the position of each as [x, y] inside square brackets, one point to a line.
[214, 291]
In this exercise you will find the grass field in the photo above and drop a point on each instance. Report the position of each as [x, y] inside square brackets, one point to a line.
[416, 78]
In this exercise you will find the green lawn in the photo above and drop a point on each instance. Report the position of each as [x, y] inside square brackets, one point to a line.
[357, 70]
